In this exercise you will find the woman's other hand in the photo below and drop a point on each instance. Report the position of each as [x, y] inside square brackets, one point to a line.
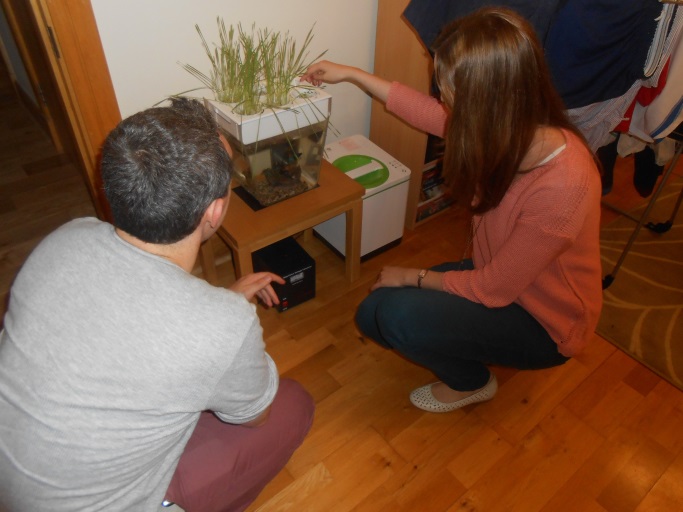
[400, 276]
[393, 277]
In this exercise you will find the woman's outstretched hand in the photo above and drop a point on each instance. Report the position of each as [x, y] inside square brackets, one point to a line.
[331, 73]
[327, 72]
[258, 285]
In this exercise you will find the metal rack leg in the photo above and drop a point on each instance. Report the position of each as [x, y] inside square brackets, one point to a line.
[609, 278]
[663, 227]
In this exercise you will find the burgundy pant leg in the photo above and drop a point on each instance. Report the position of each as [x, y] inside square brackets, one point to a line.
[224, 467]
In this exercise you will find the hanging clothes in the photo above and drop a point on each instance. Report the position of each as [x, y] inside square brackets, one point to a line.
[660, 116]
[599, 120]
[596, 49]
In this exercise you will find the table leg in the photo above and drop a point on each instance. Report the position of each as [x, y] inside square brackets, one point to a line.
[243, 263]
[208, 263]
[354, 218]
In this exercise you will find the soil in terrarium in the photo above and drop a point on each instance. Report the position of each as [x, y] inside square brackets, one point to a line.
[282, 180]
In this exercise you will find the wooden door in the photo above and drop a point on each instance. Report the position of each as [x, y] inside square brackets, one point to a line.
[48, 111]
[68, 33]
[401, 56]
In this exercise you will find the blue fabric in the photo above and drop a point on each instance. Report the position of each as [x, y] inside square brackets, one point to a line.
[429, 16]
[454, 337]
[596, 49]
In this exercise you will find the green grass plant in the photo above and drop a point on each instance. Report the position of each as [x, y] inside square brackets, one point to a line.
[253, 70]
[226, 63]
[282, 64]
[250, 74]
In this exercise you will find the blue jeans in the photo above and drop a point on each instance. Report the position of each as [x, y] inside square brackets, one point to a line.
[453, 337]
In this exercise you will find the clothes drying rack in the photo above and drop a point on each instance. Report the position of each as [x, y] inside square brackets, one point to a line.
[659, 227]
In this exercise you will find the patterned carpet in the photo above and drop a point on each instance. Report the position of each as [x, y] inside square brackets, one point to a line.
[643, 307]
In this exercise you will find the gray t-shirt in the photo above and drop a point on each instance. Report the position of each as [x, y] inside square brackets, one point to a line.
[108, 356]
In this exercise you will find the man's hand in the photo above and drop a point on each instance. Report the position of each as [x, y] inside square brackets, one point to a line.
[258, 285]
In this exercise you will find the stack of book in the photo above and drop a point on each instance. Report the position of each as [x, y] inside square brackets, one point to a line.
[434, 195]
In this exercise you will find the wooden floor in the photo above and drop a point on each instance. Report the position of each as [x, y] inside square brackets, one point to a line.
[601, 433]
[39, 188]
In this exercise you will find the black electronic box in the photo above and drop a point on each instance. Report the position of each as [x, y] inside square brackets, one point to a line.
[290, 261]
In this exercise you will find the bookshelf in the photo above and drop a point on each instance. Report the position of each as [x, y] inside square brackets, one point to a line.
[433, 194]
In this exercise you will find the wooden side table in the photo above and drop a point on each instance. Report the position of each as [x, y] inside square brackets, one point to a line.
[245, 230]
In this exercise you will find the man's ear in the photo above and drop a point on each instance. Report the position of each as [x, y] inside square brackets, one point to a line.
[216, 211]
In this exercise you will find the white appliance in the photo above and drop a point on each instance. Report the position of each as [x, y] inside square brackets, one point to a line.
[384, 203]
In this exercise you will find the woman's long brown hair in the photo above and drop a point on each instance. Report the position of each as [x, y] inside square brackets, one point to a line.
[493, 77]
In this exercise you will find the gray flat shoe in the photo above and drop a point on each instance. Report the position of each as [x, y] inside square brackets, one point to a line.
[422, 398]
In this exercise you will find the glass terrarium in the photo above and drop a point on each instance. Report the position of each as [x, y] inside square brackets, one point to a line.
[277, 153]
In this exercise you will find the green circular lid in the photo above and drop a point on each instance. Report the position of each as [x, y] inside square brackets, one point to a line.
[372, 179]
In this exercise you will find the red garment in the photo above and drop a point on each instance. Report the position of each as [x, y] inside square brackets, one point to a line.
[540, 248]
[645, 96]
[225, 467]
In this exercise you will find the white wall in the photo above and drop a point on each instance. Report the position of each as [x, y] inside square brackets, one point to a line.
[144, 41]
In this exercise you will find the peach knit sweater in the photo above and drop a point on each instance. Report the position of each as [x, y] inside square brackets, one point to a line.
[540, 247]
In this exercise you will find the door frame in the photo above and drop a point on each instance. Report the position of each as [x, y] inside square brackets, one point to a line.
[69, 34]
